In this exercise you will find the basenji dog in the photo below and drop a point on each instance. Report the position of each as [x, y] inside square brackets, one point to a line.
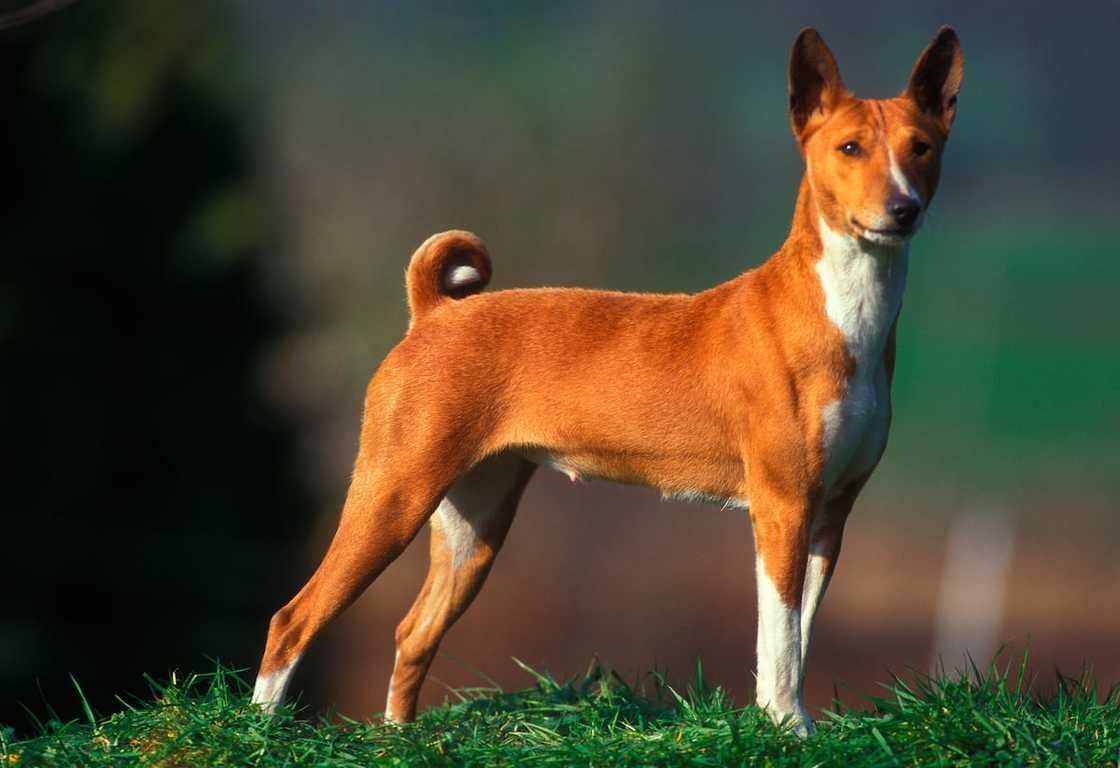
[770, 392]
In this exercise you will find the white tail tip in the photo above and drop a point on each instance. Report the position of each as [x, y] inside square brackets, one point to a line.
[461, 276]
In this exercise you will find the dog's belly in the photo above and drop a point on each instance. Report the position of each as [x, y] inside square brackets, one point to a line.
[639, 425]
[714, 478]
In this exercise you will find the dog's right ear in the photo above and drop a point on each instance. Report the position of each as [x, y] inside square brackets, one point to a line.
[815, 87]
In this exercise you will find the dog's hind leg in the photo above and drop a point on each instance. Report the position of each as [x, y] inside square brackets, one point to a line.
[468, 529]
[385, 507]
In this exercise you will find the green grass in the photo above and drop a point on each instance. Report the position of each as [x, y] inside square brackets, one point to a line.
[979, 719]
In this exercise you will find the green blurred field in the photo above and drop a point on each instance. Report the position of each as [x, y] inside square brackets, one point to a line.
[1008, 372]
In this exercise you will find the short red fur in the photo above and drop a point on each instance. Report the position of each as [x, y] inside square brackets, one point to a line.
[720, 394]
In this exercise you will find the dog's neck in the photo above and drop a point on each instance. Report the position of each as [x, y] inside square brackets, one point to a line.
[862, 282]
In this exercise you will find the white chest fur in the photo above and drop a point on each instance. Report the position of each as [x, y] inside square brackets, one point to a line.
[863, 286]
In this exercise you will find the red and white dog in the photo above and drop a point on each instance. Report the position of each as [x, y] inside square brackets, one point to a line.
[770, 392]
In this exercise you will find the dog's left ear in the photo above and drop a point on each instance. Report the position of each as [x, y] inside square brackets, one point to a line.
[936, 79]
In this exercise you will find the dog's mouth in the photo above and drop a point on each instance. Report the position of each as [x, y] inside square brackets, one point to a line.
[889, 236]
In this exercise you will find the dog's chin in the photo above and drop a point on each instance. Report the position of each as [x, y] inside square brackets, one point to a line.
[886, 237]
[894, 238]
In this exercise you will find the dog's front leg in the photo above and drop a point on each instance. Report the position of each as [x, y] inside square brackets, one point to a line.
[826, 536]
[781, 533]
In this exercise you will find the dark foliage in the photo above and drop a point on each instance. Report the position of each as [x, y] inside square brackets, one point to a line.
[137, 443]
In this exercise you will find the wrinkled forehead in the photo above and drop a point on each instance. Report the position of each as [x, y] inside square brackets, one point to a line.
[872, 121]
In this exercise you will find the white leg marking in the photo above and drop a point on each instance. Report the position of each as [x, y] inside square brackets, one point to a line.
[464, 514]
[811, 598]
[779, 656]
[457, 531]
[389, 696]
[269, 690]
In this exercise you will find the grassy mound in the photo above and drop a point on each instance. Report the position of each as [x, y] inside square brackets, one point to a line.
[976, 719]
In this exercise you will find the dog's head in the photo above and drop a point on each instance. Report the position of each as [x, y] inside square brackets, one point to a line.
[873, 164]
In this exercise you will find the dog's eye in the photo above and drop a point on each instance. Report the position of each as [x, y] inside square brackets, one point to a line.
[851, 149]
[920, 148]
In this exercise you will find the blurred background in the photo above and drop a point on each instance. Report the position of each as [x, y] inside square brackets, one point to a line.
[205, 216]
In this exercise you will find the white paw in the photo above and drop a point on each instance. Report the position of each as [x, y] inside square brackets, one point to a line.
[803, 724]
[268, 707]
[269, 690]
[795, 717]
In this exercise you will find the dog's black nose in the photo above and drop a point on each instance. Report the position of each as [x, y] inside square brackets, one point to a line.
[904, 210]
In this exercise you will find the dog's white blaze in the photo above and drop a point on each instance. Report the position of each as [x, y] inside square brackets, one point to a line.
[900, 181]
[863, 285]
[464, 274]
[778, 686]
[269, 690]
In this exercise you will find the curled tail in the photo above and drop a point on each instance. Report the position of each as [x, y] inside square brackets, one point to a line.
[450, 265]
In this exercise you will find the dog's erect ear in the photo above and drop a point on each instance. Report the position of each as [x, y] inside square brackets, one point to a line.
[936, 79]
[814, 80]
